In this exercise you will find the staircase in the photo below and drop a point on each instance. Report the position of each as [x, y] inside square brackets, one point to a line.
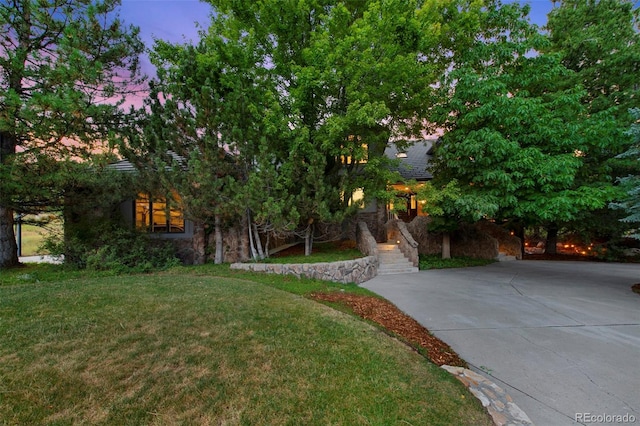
[392, 261]
[503, 257]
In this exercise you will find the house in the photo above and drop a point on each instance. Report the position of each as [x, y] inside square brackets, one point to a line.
[412, 165]
[162, 216]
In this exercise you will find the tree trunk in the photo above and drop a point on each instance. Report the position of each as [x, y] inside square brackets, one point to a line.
[218, 259]
[243, 237]
[552, 238]
[308, 240]
[252, 247]
[446, 245]
[519, 232]
[8, 246]
[256, 237]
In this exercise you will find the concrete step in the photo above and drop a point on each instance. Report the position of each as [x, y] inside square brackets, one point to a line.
[388, 270]
[505, 257]
[391, 257]
[393, 261]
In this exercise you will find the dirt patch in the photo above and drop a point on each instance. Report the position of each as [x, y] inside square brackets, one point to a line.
[391, 318]
[636, 288]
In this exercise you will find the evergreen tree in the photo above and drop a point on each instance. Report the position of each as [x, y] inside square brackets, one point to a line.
[65, 67]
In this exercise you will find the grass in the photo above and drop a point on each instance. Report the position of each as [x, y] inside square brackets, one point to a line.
[32, 239]
[190, 347]
[33, 236]
[322, 252]
[437, 262]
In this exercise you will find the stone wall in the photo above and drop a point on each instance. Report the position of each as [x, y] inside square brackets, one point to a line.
[467, 241]
[346, 271]
[375, 217]
[428, 242]
[397, 231]
[507, 243]
[365, 241]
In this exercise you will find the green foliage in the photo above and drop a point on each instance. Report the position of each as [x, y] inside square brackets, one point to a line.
[599, 41]
[437, 262]
[113, 248]
[631, 184]
[65, 70]
[517, 139]
[291, 91]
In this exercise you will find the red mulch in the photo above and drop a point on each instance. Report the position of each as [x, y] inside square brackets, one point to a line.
[391, 318]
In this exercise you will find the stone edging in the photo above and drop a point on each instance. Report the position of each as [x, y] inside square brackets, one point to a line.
[345, 271]
[501, 408]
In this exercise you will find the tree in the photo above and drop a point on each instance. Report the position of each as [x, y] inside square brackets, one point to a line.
[631, 204]
[516, 136]
[208, 117]
[599, 41]
[304, 96]
[64, 69]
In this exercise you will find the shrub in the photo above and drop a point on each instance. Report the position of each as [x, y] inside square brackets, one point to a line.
[114, 247]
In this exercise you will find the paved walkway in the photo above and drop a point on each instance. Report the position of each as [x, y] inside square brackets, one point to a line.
[562, 338]
[40, 259]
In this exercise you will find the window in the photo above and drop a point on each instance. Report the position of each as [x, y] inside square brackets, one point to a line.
[159, 214]
[356, 154]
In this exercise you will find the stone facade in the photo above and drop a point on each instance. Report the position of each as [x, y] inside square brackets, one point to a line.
[428, 242]
[507, 243]
[466, 241]
[346, 271]
[375, 216]
[469, 241]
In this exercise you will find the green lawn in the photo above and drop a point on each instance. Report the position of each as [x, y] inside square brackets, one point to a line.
[188, 347]
[33, 237]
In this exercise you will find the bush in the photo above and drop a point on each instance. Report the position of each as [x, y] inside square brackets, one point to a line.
[117, 248]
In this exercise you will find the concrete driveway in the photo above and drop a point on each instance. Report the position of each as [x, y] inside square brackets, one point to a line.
[562, 338]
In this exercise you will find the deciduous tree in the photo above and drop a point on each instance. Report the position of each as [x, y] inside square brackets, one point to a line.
[516, 135]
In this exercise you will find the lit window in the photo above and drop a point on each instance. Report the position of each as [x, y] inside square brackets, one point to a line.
[159, 215]
[358, 155]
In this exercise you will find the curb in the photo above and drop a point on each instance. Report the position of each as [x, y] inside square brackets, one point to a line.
[501, 408]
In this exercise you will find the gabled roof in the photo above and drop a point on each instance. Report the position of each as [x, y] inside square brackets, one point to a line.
[414, 164]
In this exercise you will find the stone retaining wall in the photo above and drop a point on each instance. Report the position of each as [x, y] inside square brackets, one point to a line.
[397, 232]
[346, 271]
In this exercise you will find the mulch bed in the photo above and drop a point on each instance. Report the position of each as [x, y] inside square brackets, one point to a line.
[392, 319]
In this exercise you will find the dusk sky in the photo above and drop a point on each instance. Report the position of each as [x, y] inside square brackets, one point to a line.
[175, 20]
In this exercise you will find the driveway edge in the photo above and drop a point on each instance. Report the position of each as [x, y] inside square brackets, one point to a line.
[501, 408]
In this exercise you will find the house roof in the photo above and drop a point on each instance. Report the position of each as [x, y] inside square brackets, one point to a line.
[122, 166]
[125, 165]
[414, 164]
